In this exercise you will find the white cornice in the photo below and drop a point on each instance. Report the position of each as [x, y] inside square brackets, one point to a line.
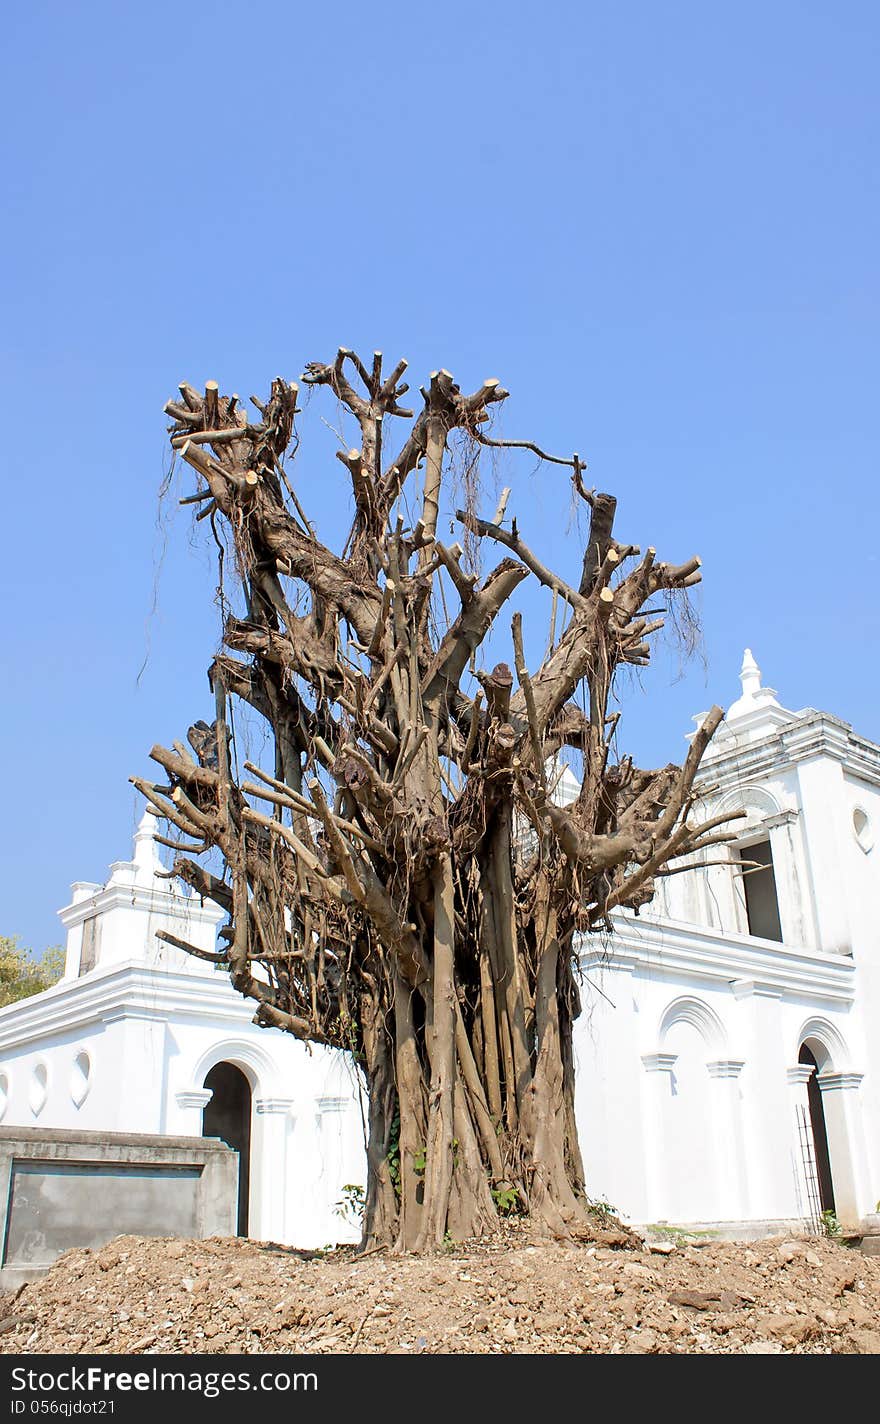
[130, 990]
[726, 1067]
[281, 1106]
[755, 989]
[839, 1082]
[194, 1098]
[133, 896]
[331, 1104]
[670, 949]
[809, 734]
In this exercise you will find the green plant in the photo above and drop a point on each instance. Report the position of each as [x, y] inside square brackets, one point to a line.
[506, 1199]
[830, 1225]
[22, 974]
[351, 1204]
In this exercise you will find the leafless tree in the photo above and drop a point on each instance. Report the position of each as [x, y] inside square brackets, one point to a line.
[410, 891]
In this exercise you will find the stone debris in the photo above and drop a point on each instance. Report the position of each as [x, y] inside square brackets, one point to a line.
[161, 1296]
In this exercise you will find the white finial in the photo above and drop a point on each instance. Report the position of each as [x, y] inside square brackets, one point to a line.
[146, 854]
[750, 675]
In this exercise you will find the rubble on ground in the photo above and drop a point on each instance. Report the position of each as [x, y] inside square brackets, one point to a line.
[169, 1296]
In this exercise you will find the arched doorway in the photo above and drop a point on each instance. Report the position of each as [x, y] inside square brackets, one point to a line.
[228, 1116]
[819, 1130]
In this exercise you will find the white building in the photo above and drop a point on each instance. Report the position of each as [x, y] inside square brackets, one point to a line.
[727, 1072]
[141, 1037]
[729, 1055]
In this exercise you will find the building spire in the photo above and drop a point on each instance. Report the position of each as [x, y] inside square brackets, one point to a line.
[750, 675]
[755, 697]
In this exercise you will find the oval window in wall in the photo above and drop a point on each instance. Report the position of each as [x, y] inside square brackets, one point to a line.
[39, 1089]
[80, 1078]
[4, 1094]
[862, 829]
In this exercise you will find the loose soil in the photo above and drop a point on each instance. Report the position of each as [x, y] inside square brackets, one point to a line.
[168, 1296]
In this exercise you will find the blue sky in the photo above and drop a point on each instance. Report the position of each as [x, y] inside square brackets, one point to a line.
[657, 224]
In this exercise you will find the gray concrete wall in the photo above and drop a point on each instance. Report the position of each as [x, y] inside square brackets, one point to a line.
[60, 1189]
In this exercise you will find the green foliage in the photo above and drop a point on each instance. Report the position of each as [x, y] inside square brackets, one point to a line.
[21, 975]
[507, 1200]
[352, 1203]
[830, 1225]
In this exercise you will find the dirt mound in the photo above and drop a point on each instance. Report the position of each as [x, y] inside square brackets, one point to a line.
[231, 1296]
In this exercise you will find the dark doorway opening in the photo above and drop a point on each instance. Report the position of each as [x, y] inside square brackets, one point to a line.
[228, 1116]
[820, 1134]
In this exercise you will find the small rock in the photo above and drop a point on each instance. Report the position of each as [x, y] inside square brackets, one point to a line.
[867, 1342]
[551, 1320]
[661, 1248]
[859, 1315]
[509, 1331]
[762, 1347]
[790, 1329]
[641, 1273]
[705, 1300]
[641, 1342]
[12, 1322]
[788, 1250]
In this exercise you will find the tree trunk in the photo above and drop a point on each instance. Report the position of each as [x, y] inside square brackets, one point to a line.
[478, 1136]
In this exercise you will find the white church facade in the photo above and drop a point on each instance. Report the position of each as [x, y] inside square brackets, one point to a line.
[728, 1052]
[729, 1055]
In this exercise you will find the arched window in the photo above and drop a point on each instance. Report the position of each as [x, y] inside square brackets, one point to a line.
[862, 830]
[39, 1089]
[80, 1078]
